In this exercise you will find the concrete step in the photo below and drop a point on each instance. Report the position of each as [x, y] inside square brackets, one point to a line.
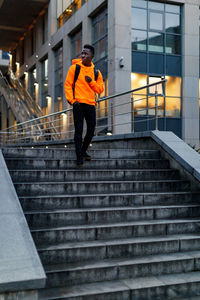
[119, 248]
[118, 269]
[92, 232]
[30, 203]
[31, 163]
[63, 153]
[160, 287]
[91, 187]
[100, 175]
[109, 214]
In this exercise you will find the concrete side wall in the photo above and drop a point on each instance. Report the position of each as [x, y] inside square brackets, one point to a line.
[20, 265]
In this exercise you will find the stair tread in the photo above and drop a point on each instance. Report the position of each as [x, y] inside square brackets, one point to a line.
[119, 224]
[114, 208]
[84, 265]
[106, 181]
[126, 241]
[119, 285]
[92, 170]
[106, 194]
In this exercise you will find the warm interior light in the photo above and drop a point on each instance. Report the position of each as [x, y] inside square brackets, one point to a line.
[133, 76]
[48, 98]
[68, 10]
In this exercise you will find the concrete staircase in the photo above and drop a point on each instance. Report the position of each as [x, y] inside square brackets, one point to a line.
[125, 226]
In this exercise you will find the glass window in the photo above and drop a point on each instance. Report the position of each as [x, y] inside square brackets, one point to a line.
[172, 107]
[44, 82]
[44, 28]
[173, 44]
[76, 44]
[139, 97]
[155, 21]
[158, 88]
[156, 42]
[139, 40]
[100, 36]
[169, 99]
[152, 104]
[156, 5]
[172, 23]
[172, 8]
[32, 82]
[59, 74]
[173, 86]
[5, 55]
[139, 3]
[139, 18]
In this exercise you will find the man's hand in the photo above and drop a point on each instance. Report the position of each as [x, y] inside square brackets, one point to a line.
[88, 79]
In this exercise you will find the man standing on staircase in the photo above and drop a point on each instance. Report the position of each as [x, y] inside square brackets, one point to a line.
[82, 82]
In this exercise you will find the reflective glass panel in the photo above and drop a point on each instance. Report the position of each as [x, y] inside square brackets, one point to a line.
[102, 27]
[95, 31]
[172, 8]
[139, 40]
[137, 81]
[139, 3]
[154, 88]
[139, 18]
[139, 105]
[172, 23]
[173, 86]
[152, 104]
[156, 21]
[139, 97]
[173, 107]
[102, 48]
[156, 42]
[156, 5]
[173, 44]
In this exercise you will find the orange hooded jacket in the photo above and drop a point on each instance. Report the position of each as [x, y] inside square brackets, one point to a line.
[84, 91]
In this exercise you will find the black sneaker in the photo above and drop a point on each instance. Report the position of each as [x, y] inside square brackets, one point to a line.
[86, 156]
[79, 162]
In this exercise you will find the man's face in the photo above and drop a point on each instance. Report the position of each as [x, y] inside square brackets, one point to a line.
[86, 56]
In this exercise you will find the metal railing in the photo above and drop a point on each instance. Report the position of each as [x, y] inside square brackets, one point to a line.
[22, 104]
[115, 113]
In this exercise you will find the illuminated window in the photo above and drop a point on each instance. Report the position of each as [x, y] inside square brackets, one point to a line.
[59, 74]
[139, 97]
[44, 82]
[72, 7]
[169, 96]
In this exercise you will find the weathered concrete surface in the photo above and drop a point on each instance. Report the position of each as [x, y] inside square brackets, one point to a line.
[20, 266]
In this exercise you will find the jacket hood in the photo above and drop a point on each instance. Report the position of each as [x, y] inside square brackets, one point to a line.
[78, 61]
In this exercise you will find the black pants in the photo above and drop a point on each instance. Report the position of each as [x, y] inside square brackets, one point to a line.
[81, 112]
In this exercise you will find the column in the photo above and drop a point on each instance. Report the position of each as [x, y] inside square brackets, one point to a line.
[119, 62]
[190, 121]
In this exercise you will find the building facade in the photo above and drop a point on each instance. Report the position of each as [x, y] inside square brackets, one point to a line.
[136, 42]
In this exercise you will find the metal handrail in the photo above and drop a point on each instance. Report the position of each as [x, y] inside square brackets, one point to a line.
[54, 127]
[98, 101]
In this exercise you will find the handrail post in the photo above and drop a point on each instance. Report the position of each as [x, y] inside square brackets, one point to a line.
[132, 113]
[156, 108]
